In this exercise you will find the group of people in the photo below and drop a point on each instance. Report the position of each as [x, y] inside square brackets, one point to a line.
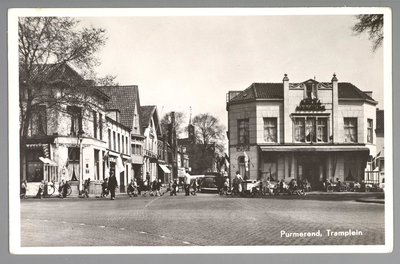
[43, 189]
[264, 187]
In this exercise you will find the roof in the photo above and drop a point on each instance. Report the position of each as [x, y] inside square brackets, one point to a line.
[124, 98]
[146, 112]
[380, 120]
[51, 73]
[61, 73]
[275, 91]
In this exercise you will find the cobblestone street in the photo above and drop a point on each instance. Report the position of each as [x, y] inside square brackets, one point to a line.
[201, 220]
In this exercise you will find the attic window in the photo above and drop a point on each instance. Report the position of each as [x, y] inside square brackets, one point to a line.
[311, 91]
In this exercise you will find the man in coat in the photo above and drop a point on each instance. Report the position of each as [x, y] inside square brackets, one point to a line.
[112, 184]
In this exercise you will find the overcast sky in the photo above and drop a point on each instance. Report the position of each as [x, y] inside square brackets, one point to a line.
[183, 62]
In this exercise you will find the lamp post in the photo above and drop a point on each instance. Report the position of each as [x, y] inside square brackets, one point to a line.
[80, 139]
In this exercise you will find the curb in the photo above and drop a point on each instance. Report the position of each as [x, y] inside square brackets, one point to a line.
[379, 201]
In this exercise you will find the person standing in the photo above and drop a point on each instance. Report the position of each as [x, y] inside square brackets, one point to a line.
[239, 182]
[112, 185]
[24, 188]
[187, 184]
[41, 187]
[65, 189]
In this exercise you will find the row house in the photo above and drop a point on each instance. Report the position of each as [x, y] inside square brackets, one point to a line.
[67, 141]
[152, 133]
[124, 108]
[310, 130]
[164, 160]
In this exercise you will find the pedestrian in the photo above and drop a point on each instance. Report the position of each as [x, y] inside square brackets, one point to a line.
[60, 188]
[140, 185]
[170, 187]
[194, 186]
[187, 184]
[145, 186]
[135, 187]
[40, 190]
[226, 186]
[86, 188]
[65, 189]
[174, 188]
[239, 182]
[131, 188]
[281, 186]
[24, 188]
[45, 189]
[112, 185]
[158, 187]
[104, 188]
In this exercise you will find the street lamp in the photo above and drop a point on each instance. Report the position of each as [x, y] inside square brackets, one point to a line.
[80, 140]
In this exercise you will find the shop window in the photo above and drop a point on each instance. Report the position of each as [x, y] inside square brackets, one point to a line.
[270, 131]
[350, 130]
[369, 131]
[39, 121]
[34, 165]
[243, 131]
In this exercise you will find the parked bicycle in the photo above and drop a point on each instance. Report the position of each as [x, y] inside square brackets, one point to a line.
[51, 188]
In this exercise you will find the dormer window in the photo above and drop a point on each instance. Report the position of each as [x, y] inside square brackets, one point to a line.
[311, 91]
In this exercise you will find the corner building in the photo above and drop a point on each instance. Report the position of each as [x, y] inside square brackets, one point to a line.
[310, 130]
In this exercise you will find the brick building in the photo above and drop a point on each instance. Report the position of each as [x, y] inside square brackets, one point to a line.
[310, 130]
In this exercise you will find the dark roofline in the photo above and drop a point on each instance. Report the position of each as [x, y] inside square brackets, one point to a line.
[118, 124]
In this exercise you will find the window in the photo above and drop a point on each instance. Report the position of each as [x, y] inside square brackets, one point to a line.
[311, 91]
[123, 144]
[119, 142]
[322, 135]
[136, 149]
[270, 134]
[243, 131]
[39, 121]
[73, 155]
[94, 124]
[310, 129]
[76, 119]
[350, 129]
[101, 126]
[299, 130]
[369, 131]
[114, 142]
[109, 139]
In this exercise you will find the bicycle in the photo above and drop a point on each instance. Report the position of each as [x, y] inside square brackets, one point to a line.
[51, 188]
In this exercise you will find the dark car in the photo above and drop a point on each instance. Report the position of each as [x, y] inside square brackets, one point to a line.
[211, 182]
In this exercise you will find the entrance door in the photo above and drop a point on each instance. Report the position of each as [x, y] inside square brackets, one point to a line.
[122, 182]
[312, 169]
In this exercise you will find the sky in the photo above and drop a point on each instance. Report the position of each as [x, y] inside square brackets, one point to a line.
[180, 62]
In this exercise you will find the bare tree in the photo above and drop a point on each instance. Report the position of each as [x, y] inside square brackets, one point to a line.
[373, 26]
[51, 49]
[179, 122]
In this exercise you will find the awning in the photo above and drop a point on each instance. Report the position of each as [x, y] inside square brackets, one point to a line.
[45, 148]
[181, 172]
[48, 161]
[313, 148]
[164, 168]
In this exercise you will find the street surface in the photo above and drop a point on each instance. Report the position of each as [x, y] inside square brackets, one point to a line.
[201, 220]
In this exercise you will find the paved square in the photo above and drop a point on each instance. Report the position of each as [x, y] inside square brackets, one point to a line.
[201, 220]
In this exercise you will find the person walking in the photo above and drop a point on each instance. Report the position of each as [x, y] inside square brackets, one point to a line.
[24, 188]
[86, 188]
[112, 185]
[174, 188]
[104, 188]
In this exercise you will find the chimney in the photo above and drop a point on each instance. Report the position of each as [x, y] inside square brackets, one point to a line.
[286, 114]
[335, 113]
[369, 93]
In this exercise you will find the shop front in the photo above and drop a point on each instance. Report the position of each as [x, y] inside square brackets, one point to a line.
[313, 164]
